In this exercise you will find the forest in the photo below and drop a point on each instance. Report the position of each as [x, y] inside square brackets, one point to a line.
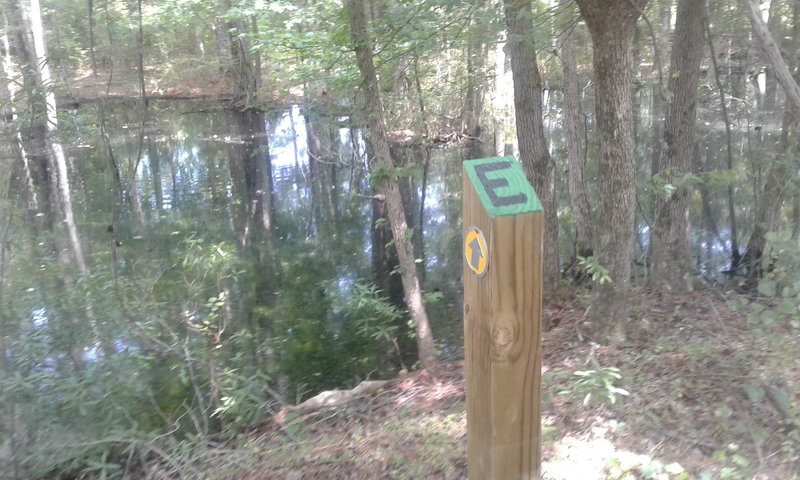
[213, 212]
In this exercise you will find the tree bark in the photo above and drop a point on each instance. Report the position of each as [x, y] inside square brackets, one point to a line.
[773, 192]
[773, 53]
[659, 46]
[92, 55]
[671, 262]
[243, 72]
[533, 153]
[477, 52]
[579, 199]
[57, 162]
[611, 24]
[770, 81]
[387, 183]
[154, 161]
[734, 235]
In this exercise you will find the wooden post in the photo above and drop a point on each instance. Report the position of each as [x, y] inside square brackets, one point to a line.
[502, 320]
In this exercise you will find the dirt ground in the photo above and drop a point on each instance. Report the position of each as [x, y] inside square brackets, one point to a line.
[703, 394]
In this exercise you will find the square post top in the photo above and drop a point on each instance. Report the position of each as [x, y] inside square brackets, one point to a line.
[502, 186]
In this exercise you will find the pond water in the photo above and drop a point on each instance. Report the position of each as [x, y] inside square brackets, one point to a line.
[223, 227]
[251, 235]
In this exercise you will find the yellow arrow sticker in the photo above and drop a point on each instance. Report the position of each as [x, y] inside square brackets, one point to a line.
[476, 252]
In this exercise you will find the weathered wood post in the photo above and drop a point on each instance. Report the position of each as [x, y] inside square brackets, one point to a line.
[502, 320]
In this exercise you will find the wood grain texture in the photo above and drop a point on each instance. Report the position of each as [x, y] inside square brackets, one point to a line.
[502, 334]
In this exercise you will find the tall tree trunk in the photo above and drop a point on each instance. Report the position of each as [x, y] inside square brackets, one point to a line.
[579, 200]
[477, 52]
[388, 184]
[243, 71]
[256, 80]
[154, 160]
[92, 55]
[56, 160]
[199, 47]
[796, 218]
[701, 165]
[770, 80]
[52, 170]
[534, 156]
[612, 24]
[734, 233]
[670, 254]
[772, 51]
[174, 196]
[659, 46]
[251, 172]
[773, 192]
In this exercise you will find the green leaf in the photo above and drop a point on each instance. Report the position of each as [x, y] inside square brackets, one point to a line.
[771, 237]
[787, 307]
[754, 393]
[740, 460]
[767, 287]
[781, 398]
[620, 391]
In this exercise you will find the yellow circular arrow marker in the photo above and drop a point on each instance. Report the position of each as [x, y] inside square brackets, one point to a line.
[476, 252]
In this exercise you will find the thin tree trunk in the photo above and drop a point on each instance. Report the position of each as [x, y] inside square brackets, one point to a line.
[388, 185]
[111, 161]
[670, 255]
[223, 40]
[158, 184]
[774, 190]
[477, 52]
[701, 166]
[15, 432]
[579, 200]
[256, 81]
[735, 253]
[173, 173]
[56, 157]
[768, 211]
[659, 45]
[420, 224]
[199, 47]
[796, 218]
[770, 80]
[771, 50]
[243, 71]
[534, 156]
[92, 55]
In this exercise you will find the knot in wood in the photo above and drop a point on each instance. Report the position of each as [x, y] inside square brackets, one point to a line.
[504, 337]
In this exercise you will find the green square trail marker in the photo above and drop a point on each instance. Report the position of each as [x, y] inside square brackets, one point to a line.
[502, 320]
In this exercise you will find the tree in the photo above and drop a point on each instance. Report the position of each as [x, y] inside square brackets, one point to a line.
[579, 201]
[534, 156]
[612, 24]
[670, 256]
[476, 52]
[734, 233]
[772, 51]
[30, 51]
[385, 176]
[773, 191]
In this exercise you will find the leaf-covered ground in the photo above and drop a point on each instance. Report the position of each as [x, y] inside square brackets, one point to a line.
[700, 391]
